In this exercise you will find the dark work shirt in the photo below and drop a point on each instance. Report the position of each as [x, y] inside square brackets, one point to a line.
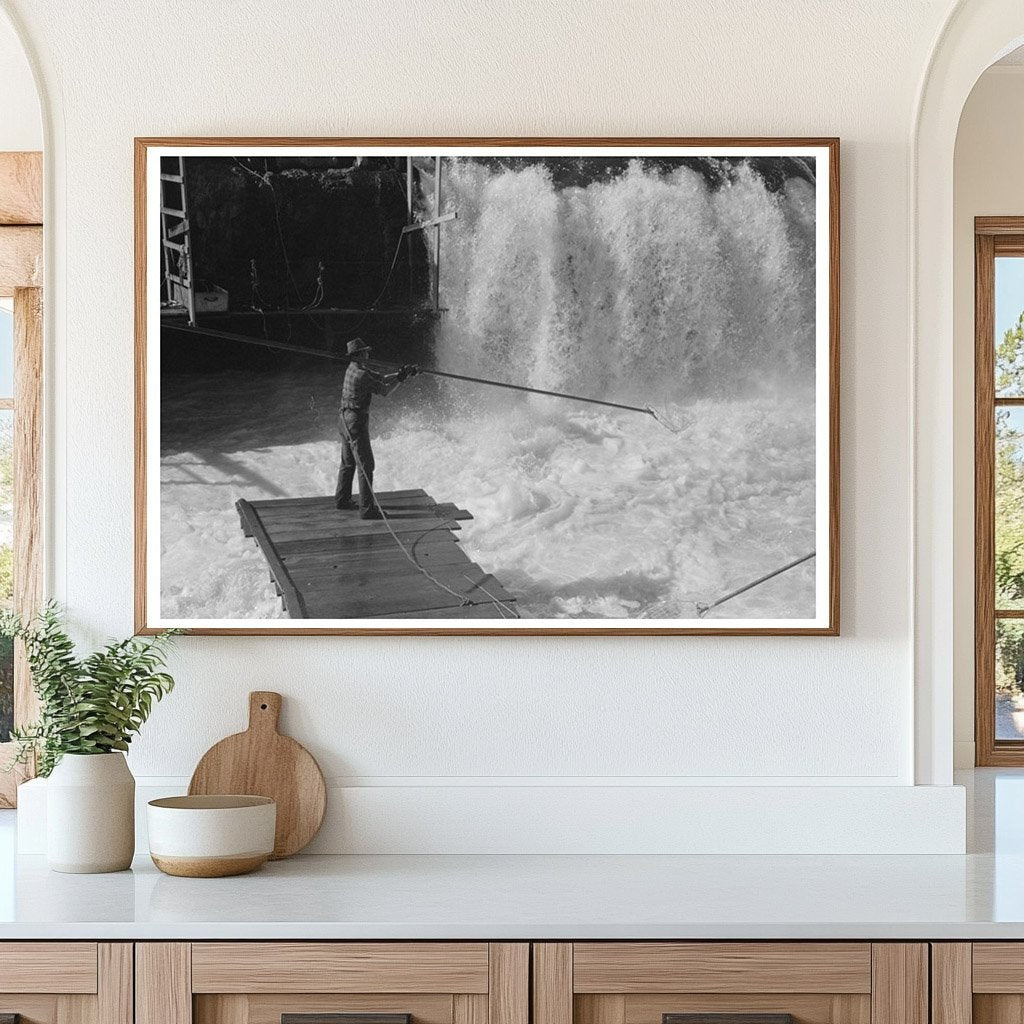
[359, 387]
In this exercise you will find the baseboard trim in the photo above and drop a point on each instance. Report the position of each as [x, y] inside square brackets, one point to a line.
[717, 820]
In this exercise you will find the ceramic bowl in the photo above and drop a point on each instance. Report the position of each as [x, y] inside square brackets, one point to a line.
[211, 836]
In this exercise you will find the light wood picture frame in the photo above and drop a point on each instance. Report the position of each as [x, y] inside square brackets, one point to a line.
[692, 285]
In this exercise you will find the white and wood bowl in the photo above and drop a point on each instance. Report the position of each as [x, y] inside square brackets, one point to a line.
[211, 836]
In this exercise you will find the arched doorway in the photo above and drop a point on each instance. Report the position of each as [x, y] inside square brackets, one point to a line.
[976, 34]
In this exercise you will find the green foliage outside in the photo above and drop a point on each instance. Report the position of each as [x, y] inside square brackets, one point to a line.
[1009, 525]
[90, 705]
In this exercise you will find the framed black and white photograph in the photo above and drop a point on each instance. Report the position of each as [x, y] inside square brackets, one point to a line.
[571, 386]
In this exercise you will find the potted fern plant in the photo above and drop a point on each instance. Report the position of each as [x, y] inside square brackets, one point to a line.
[90, 708]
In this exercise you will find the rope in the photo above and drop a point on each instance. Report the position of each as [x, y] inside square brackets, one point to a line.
[463, 599]
[703, 609]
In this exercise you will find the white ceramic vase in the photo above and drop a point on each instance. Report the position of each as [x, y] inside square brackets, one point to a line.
[90, 814]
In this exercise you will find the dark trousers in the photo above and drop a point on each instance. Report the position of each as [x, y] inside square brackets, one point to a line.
[356, 456]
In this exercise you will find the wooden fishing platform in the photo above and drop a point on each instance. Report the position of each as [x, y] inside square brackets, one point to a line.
[331, 564]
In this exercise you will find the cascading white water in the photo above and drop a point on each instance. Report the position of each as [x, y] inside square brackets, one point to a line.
[644, 287]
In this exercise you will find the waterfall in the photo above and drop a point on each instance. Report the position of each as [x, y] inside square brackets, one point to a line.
[646, 286]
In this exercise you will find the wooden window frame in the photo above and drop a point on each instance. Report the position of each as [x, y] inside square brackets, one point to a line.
[21, 273]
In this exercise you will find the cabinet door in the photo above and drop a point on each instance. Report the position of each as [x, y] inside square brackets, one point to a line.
[730, 983]
[332, 983]
[65, 983]
[981, 982]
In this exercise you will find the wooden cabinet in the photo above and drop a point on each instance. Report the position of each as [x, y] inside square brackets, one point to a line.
[307, 982]
[758, 982]
[978, 983]
[66, 982]
[494, 983]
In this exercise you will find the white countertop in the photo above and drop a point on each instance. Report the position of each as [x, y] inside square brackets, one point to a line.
[977, 896]
[496, 897]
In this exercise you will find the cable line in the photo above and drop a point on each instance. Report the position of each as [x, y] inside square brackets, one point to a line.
[703, 609]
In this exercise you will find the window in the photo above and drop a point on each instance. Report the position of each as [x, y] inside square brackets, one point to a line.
[999, 490]
[21, 371]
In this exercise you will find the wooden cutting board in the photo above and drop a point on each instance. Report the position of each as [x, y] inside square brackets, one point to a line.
[262, 762]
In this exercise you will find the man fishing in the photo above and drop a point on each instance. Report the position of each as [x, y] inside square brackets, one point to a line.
[360, 385]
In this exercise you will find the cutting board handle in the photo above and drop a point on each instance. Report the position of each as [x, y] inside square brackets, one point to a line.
[264, 710]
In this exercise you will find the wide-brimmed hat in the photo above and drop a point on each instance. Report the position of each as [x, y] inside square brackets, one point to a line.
[357, 345]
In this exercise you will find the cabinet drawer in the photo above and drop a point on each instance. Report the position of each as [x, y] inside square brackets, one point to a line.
[332, 983]
[730, 983]
[64, 967]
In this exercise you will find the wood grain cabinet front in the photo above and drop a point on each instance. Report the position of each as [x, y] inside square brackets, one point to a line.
[730, 983]
[66, 982]
[332, 983]
[978, 983]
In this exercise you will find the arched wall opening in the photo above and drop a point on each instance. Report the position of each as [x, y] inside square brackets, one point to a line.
[977, 33]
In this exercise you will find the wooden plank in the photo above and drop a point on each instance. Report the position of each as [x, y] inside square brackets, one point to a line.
[21, 258]
[293, 602]
[998, 967]
[115, 983]
[397, 579]
[163, 983]
[339, 967]
[364, 542]
[21, 188]
[414, 594]
[951, 1000]
[333, 563]
[410, 535]
[629, 967]
[552, 983]
[326, 530]
[327, 501]
[308, 510]
[65, 967]
[508, 993]
[899, 990]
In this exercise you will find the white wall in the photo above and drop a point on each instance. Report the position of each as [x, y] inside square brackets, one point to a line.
[987, 181]
[434, 715]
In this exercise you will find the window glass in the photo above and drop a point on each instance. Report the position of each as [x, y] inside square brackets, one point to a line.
[1009, 327]
[1009, 679]
[1009, 533]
